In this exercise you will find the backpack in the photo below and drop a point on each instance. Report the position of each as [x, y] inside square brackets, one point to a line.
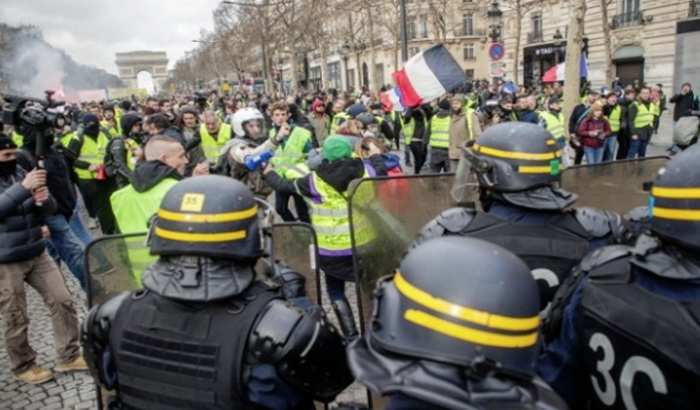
[685, 130]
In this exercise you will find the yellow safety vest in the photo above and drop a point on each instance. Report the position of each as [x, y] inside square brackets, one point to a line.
[408, 129]
[656, 108]
[132, 210]
[290, 153]
[335, 122]
[113, 132]
[644, 117]
[18, 139]
[330, 219]
[212, 147]
[440, 132]
[554, 123]
[470, 128]
[92, 152]
[614, 119]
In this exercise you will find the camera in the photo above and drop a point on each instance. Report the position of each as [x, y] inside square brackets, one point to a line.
[40, 114]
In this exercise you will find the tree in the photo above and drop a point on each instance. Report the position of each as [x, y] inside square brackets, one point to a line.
[607, 46]
[519, 8]
[574, 44]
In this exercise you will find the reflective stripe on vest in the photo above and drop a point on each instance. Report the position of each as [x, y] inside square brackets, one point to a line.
[330, 219]
[335, 123]
[291, 153]
[644, 117]
[18, 139]
[440, 132]
[92, 152]
[468, 117]
[614, 119]
[555, 124]
[212, 147]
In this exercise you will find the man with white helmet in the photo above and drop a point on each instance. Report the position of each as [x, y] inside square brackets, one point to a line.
[249, 146]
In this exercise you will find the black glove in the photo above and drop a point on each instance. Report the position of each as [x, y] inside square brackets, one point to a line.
[293, 284]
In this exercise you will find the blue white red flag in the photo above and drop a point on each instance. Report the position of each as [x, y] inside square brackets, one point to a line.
[428, 75]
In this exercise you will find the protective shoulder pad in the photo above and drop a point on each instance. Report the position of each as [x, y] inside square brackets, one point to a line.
[94, 337]
[599, 223]
[307, 351]
[450, 222]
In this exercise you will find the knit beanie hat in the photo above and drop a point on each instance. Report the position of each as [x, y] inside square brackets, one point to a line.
[336, 147]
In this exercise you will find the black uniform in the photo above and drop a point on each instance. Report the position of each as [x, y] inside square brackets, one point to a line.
[205, 333]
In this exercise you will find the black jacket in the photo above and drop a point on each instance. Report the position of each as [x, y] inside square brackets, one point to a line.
[148, 174]
[683, 104]
[20, 220]
[58, 177]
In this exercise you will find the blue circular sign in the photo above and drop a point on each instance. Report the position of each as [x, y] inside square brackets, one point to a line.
[497, 51]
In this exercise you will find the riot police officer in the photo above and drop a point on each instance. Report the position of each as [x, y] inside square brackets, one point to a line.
[628, 332]
[205, 332]
[518, 169]
[456, 327]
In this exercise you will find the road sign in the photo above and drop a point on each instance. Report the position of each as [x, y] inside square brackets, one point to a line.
[497, 51]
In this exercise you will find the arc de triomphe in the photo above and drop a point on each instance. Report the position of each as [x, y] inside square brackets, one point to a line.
[130, 64]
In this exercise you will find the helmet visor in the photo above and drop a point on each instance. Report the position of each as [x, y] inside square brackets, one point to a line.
[466, 185]
[255, 128]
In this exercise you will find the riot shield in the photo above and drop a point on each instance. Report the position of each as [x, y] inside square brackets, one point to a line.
[294, 243]
[616, 186]
[114, 265]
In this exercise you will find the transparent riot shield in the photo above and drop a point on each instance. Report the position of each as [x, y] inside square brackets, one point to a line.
[294, 244]
[616, 186]
[114, 265]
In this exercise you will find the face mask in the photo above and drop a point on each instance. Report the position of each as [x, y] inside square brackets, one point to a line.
[92, 129]
[8, 168]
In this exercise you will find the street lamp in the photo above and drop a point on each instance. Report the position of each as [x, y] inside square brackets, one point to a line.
[345, 53]
[494, 15]
[557, 43]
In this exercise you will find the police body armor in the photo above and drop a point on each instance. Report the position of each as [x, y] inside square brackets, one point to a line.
[550, 250]
[158, 350]
[640, 349]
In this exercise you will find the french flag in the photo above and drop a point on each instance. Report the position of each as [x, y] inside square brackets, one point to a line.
[428, 75]
[558, 72]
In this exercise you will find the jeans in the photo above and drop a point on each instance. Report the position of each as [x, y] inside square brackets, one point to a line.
[77, 225]
[67, 245]
[335, 288]
[42, 274]
[609, 148]
[593, 155]
[638, 147]
[407, 154]
[439, 160]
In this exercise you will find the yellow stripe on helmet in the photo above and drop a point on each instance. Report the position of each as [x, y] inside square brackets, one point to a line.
[529, 156]
[469, 334]
[463, 312]
[677, 214]
[676, 193]
[200, 237]
[208, 218]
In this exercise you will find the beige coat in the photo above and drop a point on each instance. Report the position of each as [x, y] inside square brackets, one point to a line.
[459, 133]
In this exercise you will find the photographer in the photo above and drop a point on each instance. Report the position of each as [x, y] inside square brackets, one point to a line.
[593, 130]
[23, 258]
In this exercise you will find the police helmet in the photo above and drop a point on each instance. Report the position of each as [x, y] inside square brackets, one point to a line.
[461, 301]
[244, 115]
[211, 216]
[514, 156]
[367, 119]
[675, 200]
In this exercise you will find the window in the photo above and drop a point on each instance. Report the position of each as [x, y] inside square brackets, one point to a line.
[351, 78]
[630, 6]
[334, 74]
[467, 1]
[469, 52]
[411, 30]
[422, 29]
[470, 74]
[467, 25]
[413, 51]
[537, 24]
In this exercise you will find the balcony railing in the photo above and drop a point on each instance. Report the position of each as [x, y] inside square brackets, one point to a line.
[475, 32]
[629, 19]
[694, 8]
[535, 37]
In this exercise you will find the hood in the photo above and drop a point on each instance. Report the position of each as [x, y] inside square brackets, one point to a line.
[338, 174]
[127, 122]
[315, 104]
[443, 113]
[148, 174]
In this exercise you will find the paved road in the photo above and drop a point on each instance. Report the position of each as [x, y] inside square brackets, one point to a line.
[76, 390]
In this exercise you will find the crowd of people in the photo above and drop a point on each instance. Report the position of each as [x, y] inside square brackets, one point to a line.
[452, 327]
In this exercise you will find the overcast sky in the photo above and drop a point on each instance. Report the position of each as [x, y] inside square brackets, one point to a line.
[91, 32]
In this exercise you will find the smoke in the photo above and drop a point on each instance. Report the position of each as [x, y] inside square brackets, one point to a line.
[34, 67]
